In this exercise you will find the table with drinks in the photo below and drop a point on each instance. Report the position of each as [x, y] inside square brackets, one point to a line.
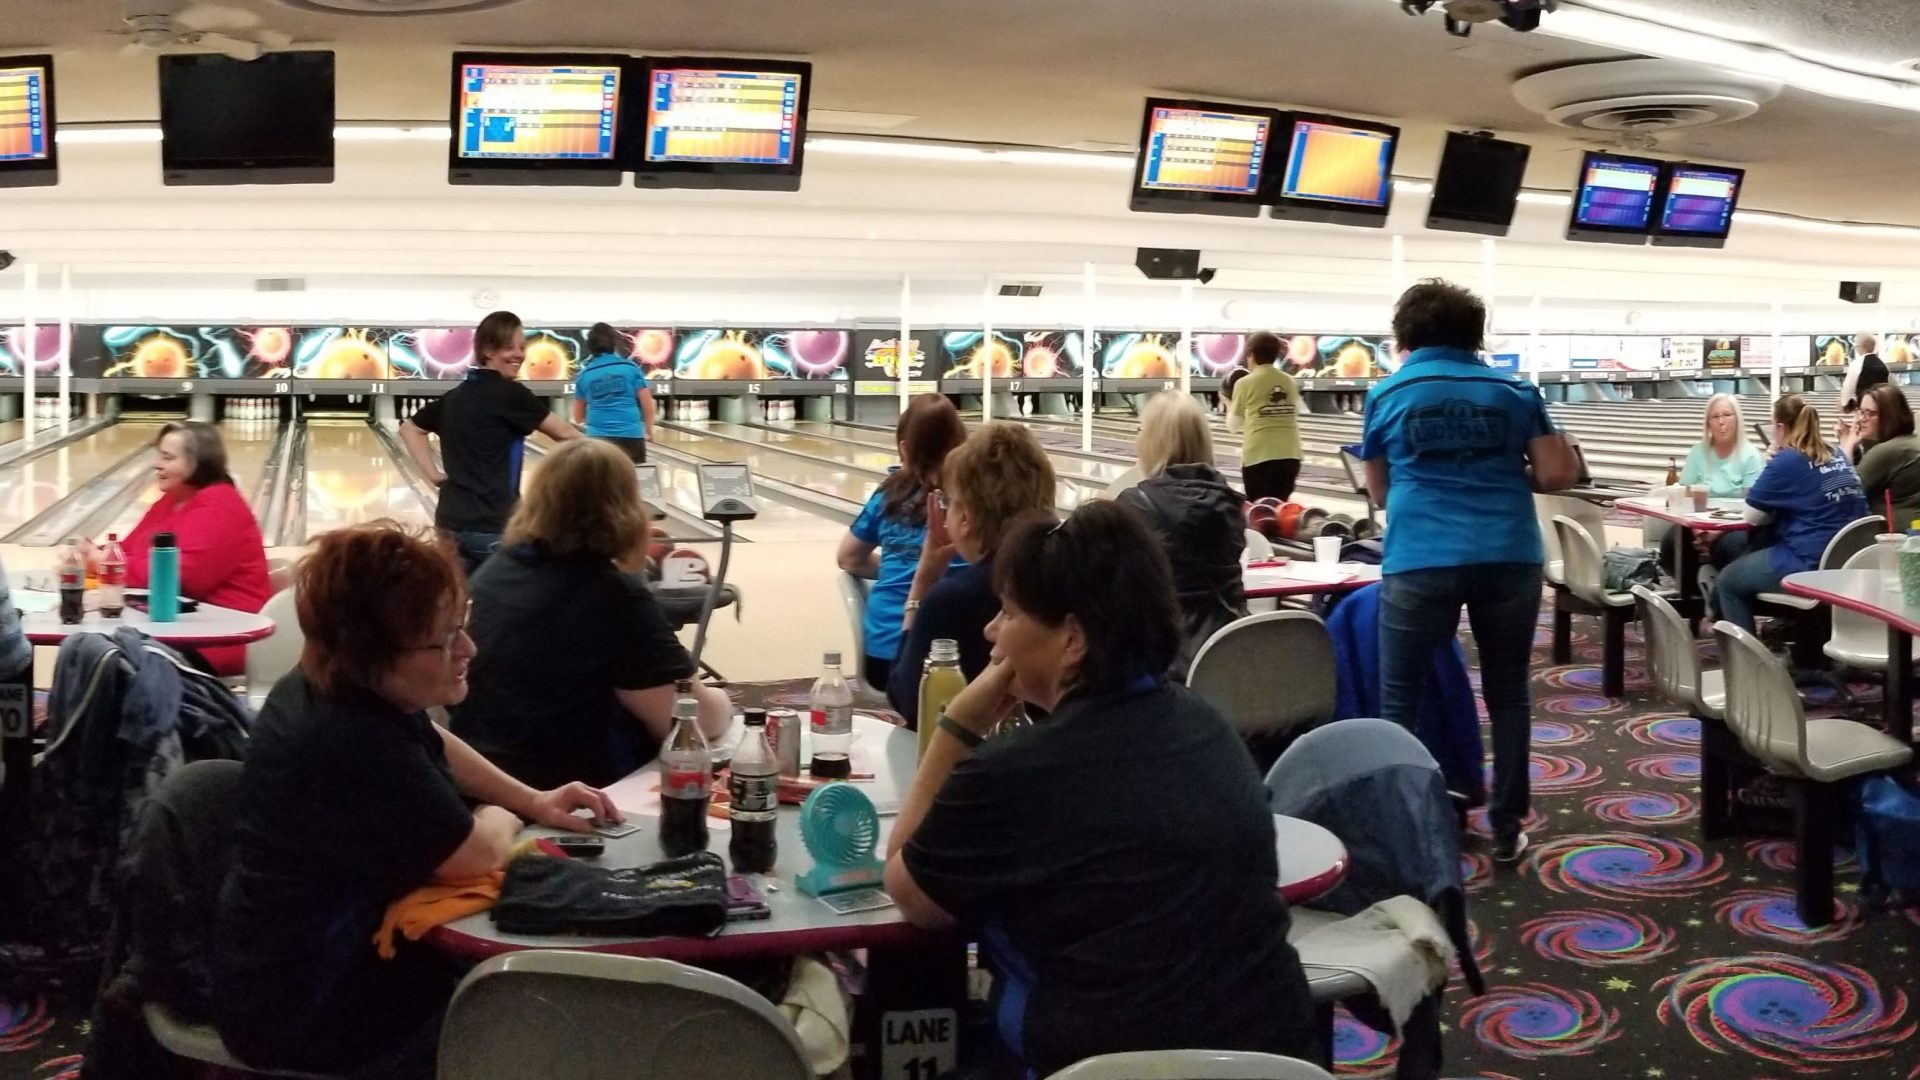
[96, 600]
[1691, 511]
[1886, 594]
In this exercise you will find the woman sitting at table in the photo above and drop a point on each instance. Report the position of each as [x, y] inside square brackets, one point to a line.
[223, 561]
[1153, 922]
[1724, 463]
[1200, 522]
[577, 665]
[884, 542]
[1886, 453]
[351, 798]
[1806, 494]
[997, 475]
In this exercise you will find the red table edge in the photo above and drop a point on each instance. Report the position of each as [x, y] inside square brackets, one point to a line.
[245, 637]
[1853, 604]
[1307, 588]
[1307, 890]
[1682, 520]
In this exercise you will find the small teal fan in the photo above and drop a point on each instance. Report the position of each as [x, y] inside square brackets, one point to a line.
[841, 829]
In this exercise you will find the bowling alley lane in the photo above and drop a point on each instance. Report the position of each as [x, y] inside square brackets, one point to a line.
[1105, 470]
[249, 445]
[29, 488]
[855, 486]
[351, 479]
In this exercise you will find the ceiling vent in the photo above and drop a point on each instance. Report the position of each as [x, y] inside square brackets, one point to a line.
[1019, 289]
[280, 284]
[1643, 97]
[397, 7]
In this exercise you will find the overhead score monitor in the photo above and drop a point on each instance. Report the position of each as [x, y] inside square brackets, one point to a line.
[1478, 185]
[714, 123]
[263, 121]
[536, 118]
[1337, 170]
[29, 156]
[1615, 200]
[1199, 157]
[1697, 204]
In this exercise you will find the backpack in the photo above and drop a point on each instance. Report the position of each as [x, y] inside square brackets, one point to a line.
[1887, 834]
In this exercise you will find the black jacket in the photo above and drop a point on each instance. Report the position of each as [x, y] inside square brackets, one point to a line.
[1873, 372]
[1201, 524]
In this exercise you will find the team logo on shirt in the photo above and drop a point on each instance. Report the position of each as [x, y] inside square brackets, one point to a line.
[1457, 430]
[1279, 403]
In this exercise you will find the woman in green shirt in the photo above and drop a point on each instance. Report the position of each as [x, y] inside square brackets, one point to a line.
[1889, 454]
[1726, 464]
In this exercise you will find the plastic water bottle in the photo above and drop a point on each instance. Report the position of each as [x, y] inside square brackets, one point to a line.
[113, 578]
[73, 584]
[753, 799]
[163, 579]
[832, 721]
[686, 783]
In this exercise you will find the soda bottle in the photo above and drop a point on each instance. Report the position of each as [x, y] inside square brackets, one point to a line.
[113, 578]
[940, 683]
[753, 790]
[832, 721]
[73, 584]
[686, 784]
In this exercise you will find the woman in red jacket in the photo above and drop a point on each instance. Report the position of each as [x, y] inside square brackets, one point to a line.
[222, 558]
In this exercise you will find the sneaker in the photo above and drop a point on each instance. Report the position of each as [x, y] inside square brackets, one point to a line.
[1507, 851]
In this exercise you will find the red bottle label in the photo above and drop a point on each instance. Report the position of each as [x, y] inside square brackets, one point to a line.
[819, 719]
[684, 783]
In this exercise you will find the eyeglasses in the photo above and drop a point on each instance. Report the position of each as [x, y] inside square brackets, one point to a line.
[940, 500]
[452, 640]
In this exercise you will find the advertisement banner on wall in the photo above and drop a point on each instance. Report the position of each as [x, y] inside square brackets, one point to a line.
[1723, 354]
[1683, 352]
[1756, 352]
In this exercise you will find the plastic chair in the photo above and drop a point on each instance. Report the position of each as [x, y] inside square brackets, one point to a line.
[562, 1013]
[1545, 509]
[1258, 549]
[1766, 717]
[1128, 479]
[1813, 620]
[1857, 641]
[1586, 593]
[199, 1042]
[272, 657]
[279, 574]
[1192, 1065]
[1673, 658]
[853, 597]
[1271, 674]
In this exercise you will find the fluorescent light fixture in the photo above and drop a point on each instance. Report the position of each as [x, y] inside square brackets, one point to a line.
[353, 132]
[979, 155]
[1545, 198]
[1413, 187]
[69, 135]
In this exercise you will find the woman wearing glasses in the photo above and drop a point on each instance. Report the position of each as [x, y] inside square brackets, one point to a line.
[351, 797]
[997, 475]
[1118, 859]
[577, 664]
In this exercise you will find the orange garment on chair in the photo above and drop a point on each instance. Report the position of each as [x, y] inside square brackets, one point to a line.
[434, 905]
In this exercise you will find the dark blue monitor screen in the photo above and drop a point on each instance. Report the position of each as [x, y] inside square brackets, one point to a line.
[1701, 201]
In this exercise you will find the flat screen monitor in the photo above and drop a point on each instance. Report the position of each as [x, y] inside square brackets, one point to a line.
[1615, 200]
[536, 118]
[28, 154]
[1200, 157]
[1478, 185]
[1697, 207]
[738, 124]
[1338, 171]
[265, 121]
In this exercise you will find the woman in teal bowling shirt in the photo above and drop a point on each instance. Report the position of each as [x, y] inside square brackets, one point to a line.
[884, 542]
[611, 398]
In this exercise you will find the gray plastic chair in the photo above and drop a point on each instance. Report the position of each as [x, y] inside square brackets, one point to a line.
[1269, 673]
[1548, 507]
[1857, 641]
[1586, 593]
[1812, 756]
[272, 657]
[1812, 620]
[853, 597]
[1673, 659]
[556, 1013]
[201, 1043]
[1192, 1065]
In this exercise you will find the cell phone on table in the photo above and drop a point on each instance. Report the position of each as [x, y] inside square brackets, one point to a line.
[581, 847]
[138, 602]
[744, 901]
[614, 830]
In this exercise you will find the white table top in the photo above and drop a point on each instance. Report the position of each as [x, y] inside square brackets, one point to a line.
[208, 625]
[1873, 593]
[1299, 577]
[1710, 520]
[1312, 860]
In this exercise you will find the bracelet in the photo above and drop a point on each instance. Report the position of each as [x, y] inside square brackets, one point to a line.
[911, 605]
[955, 728]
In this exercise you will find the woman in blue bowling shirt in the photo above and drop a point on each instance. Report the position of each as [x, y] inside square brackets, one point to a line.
[884, 542]
[611, 398]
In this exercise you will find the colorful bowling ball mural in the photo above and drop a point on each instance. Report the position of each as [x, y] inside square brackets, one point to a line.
[552, 356]
[1219, 353]
[41, 348]
[154, 352]
[650, 347]
[720, 355]
[1028, 354]
[338, 352]
[1141, 356]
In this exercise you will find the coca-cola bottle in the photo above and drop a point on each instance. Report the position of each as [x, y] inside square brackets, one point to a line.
[686, 783]
[113, 578]
[753, 792]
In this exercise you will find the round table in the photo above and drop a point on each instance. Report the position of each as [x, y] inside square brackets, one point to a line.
[207, 626]
[1313, 861]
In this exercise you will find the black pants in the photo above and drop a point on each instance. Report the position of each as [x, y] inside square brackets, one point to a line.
[1270, 479]
[875, 672]
[635, 449]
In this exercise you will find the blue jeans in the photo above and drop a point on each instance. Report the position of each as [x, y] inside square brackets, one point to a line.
[1744, 579]
[473, 548]
[1420, 612]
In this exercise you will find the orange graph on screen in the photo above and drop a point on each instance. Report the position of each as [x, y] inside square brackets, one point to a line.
[1338, 164]
[16, 115]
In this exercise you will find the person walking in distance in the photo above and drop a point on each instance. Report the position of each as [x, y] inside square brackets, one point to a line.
[1266, 412]
[611, 397]
[1455, 451]
[1866, 372]
[483, 424]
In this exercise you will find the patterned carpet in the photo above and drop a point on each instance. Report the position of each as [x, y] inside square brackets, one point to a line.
[1621, 947]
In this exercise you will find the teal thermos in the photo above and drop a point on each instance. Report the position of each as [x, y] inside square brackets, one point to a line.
[163, 579]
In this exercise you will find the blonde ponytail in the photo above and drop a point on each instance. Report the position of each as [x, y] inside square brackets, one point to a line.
[1802, 422]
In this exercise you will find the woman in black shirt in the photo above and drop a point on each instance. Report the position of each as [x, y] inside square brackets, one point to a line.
[577, 664]
[352, 798]
[1117, 859]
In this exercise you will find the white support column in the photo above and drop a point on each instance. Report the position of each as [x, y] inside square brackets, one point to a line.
[1489, 283]
[66, 346]
[1086, 369]
[1779, 315]
[903, 357]
[1399, 257]
[1186, 336]
[31, 297]
[1531, 362]
[986, 344]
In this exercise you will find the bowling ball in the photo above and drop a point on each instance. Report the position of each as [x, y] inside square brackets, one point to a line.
[1303, 351]
[1147, 360]
[1042, 362]
[272, 345]
[446, 349]
[727, 359]
[1220, 351]
[349, 357]
[1270, 501]
[819, 352]
[995, 352]
[1261, 519]
[653, 348]
[1836, 354]
[43, 348]
[160, 357]
[1291, 516]
[1354, 361]
[547, 361]
[1897, 352]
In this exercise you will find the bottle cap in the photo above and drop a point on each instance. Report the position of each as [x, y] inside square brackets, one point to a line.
[113, 538]
[756, 718]
[833, 659]
[164, 540]
[944, 649]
